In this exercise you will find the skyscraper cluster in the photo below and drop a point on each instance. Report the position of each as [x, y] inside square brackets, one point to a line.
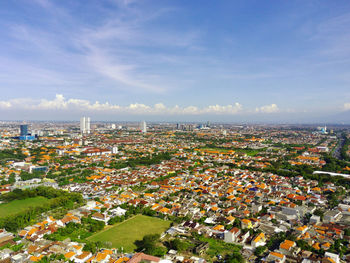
[143, 127]
[85, 125]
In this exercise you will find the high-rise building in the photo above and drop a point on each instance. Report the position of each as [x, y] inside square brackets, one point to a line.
[143, 127]
[24, 130]
[24, 134]
[85, 125]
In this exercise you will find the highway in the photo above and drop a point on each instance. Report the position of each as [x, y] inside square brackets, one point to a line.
[347, 176]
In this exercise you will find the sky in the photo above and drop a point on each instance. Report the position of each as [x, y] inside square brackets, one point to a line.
[179, 60]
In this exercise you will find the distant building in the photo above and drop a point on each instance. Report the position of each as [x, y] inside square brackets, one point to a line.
[24, 130]
[322, 130]
[114, 149]
[38, 169]
[85, 125]
[143, 127]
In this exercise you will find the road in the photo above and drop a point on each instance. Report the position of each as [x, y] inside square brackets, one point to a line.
[336, 153]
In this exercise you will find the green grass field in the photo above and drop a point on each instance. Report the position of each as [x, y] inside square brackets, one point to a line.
[126, 233]
[16, 206]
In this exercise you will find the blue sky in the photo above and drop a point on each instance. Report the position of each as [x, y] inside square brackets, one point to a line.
[175, 60]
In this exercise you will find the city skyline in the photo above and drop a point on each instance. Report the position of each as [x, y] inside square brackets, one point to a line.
[146, 60]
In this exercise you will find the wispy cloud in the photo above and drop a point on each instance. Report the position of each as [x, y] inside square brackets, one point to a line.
[334, 36]
[111, 49]
[122, 60]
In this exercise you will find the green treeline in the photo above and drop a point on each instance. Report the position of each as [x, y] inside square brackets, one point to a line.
[57, 198]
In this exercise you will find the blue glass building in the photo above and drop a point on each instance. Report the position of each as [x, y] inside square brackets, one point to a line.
[24, 130]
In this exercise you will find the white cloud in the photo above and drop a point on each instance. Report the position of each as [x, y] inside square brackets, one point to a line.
[224, 109]
[60, 103]
[347, 106]
[5, 104]
[268, 109]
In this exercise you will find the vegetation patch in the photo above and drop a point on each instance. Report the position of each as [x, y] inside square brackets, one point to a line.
[11, 155]
[219, 247]
[55, 199]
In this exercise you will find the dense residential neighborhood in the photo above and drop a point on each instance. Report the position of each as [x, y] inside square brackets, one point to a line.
[174, 193]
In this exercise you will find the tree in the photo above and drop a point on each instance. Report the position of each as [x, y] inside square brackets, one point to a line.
[150, 240]
[179, 245]
[90, 246]
[149, 245]
[260, 250]
[235, 257]
[319, 212]
[347, 231]
[157, 251]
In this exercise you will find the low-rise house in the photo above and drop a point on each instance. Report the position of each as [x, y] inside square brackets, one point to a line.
[259, 240]
[83, 257]
[315, 219]
[70, 255]
[118, 211]
[332, 216]
[242, 238]
[5, 237]
[302, 229]
[100, 217]
[276, 257]
[246, 223]
[19, 258]
[231, 236]
[330, 258]
[286, 247]
[102, 257]
[141, 257]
